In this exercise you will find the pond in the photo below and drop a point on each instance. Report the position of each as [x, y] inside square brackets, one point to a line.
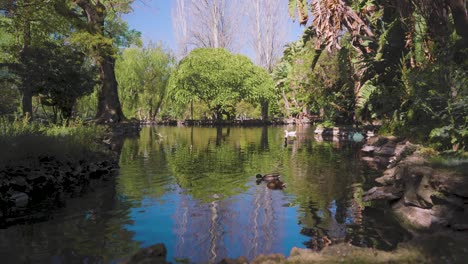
[194, 189]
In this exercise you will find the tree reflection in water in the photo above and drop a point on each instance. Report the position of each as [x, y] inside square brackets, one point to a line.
[194, 189]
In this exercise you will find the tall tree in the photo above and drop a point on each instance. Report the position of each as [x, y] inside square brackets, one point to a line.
[90, 19]
[213, 24]
[179, 11]
[267, 21]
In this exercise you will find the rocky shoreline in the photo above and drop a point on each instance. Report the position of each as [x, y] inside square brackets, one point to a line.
[422, 196]
[28, 192]
[34, 185]
[428, 248]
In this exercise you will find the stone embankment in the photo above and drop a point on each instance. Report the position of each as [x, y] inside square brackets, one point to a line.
[422, 196]
[44, 182]
[340, 253]
[32, 186]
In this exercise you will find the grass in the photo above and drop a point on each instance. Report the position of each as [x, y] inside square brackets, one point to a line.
[22, 141]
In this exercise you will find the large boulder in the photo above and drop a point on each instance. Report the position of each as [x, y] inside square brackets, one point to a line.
[388, 193]
[422, 196]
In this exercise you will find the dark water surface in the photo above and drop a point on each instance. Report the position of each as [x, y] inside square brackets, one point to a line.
[194, 190]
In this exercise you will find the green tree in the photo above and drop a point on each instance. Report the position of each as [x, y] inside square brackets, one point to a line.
[220, 80]
[94, 22]
[406, 59]
[59, 74]
[30, 23]
[143, 74]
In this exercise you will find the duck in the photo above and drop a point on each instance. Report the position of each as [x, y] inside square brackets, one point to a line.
[289, 133]
[276, 185]
[268, 177]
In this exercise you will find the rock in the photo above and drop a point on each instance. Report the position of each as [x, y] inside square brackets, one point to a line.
[93, 167]
[336, 131]
[460, 227]
[424, 192]
[451, 182]
[19, 182]
[319, 130]
[37, 178]
[368, 149]
[269, 259]
[417, 192]
[377, 141]
[383, 193]
[439, 198]
[295, 251]
[441, 215]
[416, 217]
[389, 176]
[20, 199]
[386, 150]
[239, 260]
[152, 254]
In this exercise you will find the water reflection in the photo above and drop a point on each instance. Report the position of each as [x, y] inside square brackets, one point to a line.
[195, 190]
[90, 229]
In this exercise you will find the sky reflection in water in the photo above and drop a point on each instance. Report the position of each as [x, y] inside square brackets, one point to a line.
[194, 190]
[214, 209]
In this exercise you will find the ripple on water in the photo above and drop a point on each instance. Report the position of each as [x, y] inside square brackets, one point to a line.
[195, 191]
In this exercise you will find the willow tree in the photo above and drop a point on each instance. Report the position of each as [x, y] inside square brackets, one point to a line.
[92, 20]
[143, 74]
[220, 80]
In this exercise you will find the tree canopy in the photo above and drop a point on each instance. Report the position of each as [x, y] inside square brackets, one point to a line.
[143, 74]
[220, 80]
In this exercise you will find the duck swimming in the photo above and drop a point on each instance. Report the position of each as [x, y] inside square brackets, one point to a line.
[268, 177]
[289, 133]
[276, 185]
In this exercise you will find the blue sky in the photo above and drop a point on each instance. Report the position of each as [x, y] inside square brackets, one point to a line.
[153, 19]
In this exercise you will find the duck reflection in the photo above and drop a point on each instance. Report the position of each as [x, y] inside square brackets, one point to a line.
[272, 181]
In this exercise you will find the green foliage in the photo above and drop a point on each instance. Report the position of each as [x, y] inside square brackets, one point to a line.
[20, 140]
[326, 88]
[20, 126]
[364, 96]
[326, 124]
[143, 74]
[93, 43]
[117, 29]
[434, 106]
[59, 74]
[86, 106]
[220, 80]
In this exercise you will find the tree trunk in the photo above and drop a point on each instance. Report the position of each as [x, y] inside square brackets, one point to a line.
[264, 106]
[109, 108]
[26, 100]
[460, 18]
[25, 82]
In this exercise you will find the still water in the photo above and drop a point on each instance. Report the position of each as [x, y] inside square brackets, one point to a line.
[194, 190]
